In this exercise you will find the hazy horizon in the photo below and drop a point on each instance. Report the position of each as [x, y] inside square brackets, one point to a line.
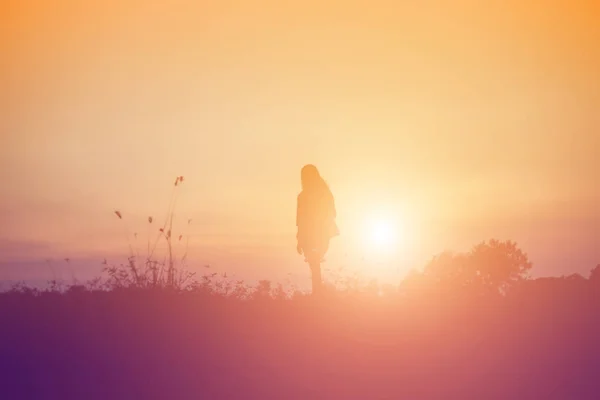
[465, 121]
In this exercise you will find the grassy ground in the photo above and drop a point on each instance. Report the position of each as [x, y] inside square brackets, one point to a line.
[143, 344]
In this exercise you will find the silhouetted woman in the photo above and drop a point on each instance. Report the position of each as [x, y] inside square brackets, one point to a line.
[315, 219]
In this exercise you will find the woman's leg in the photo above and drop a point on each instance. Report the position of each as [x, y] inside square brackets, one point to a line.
[317, 280]
[324, 246]
[315, 265]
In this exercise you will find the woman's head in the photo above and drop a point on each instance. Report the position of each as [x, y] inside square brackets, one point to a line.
[310, 178]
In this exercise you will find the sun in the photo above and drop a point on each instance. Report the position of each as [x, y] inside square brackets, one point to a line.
[382, 233]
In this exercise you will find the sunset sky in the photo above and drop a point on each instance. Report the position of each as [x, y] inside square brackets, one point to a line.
[464, 120]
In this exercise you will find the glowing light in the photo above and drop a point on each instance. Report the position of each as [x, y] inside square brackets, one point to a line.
[382, 233]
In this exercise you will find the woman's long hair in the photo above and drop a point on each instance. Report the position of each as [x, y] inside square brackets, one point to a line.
[316, 188]
[312, 182]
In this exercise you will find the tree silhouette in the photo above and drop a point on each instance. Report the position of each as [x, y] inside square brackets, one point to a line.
[595, 276]
[498, 266]
[492, 267]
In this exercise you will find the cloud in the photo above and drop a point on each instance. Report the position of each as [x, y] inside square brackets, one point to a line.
[21, 250]
[35, 271]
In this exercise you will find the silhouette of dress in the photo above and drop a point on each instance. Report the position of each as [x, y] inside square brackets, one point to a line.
[315, 219]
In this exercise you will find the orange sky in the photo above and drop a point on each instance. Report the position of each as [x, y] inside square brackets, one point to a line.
[469, 119]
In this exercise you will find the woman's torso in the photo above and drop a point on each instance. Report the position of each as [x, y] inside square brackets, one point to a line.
[316, 213]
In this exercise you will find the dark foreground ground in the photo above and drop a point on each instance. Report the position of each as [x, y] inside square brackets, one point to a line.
[134, 345]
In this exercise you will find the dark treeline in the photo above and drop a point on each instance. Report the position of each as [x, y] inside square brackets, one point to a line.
[468, 326]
